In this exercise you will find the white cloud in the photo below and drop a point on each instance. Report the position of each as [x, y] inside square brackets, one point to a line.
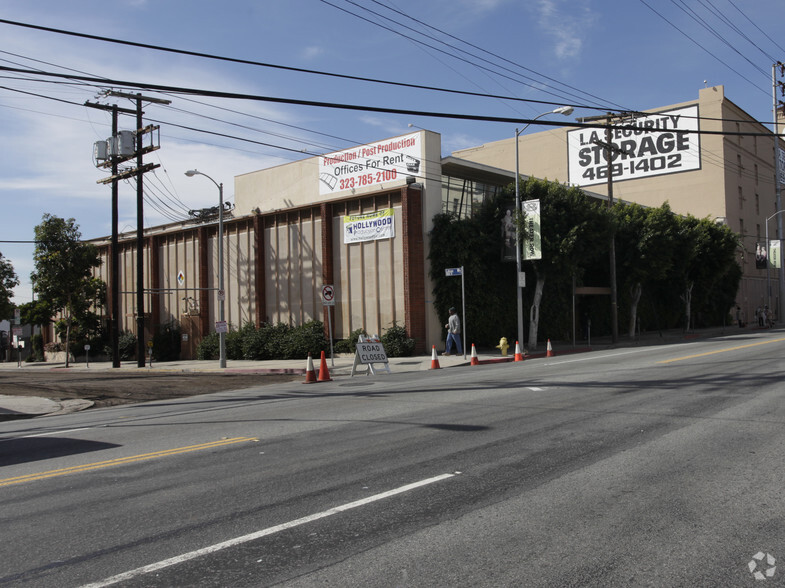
[312, 52]
[567, 23]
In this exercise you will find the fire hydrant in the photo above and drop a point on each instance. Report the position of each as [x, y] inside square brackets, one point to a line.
[503, 345]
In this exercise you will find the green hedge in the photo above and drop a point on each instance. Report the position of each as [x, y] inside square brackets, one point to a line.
[282, 341]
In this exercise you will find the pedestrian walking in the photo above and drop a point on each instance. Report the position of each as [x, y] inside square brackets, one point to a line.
[453, 327]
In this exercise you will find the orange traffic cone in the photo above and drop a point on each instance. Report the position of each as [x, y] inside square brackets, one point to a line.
[324, 373]
[518, 354]
[549, 350]
[435, 359]
[310, 373]
[474, 360]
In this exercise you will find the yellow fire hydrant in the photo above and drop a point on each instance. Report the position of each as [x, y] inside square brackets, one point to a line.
[503, 345]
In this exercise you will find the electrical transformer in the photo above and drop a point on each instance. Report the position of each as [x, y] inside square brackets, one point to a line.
[101, 150]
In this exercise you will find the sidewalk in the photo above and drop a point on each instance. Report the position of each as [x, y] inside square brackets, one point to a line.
[339, 367]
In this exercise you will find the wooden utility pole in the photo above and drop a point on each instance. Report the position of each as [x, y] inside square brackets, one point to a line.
[139, 172]
[609, 150]
[141, 169]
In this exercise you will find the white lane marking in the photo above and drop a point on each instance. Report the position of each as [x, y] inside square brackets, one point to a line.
[46, 434]
[560, 361]
[263, 533]
[536, 389]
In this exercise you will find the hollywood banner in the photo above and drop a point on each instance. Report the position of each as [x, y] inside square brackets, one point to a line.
[386, 162]
[650, 145]
[369, 227]
[532, 244]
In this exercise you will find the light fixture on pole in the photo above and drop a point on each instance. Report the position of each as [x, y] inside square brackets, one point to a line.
[768, 284]
[566, 111]
[221, 291]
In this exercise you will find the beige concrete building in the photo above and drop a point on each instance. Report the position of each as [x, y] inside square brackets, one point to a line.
[729, 176]
[358, 220]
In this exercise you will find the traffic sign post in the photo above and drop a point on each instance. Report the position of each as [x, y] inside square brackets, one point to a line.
[458, 271]
[328, 299]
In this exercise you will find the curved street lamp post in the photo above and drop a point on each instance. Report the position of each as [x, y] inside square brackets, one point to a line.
[221, 292]
[566, 111]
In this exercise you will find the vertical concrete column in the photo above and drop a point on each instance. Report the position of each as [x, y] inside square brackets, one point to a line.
[204, 294]
[260, 278]
[155, 283]
[413, 266]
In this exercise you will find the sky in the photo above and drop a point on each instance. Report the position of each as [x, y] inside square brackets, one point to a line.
[505, 58]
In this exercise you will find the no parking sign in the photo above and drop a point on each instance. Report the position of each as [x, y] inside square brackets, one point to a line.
[328, 295]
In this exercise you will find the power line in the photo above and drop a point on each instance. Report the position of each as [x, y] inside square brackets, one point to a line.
[494, 55]
[753, 84]
[343, 106]
[276, 66]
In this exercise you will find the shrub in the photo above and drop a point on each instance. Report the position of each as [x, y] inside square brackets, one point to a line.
[208, 347]
[305, 339]
[349, 345]
[126, 346]
[396, 342]
[235, 341]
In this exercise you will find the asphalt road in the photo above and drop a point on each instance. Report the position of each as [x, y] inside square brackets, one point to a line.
[658, 466]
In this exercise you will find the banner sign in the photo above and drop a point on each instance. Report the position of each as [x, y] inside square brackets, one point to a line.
[781, 166]
[645, 146]
[384, 162]
[774, 254]
[369, 227]
[532, 244]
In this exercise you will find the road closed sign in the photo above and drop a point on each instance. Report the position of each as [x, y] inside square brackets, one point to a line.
[371, 353]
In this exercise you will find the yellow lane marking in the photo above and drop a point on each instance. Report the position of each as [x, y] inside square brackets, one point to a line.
[721, 351]
[121, 461]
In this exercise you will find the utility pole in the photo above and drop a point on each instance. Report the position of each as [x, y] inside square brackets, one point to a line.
[141, 169]
[115, 278]
[777, 107]
[609, 150]
[139, 172]
[114, 160]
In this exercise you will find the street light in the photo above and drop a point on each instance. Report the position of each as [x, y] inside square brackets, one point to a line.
[221, 292]
[566, 111]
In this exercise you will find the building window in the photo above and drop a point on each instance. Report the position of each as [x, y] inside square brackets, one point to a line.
[738, 130]
[741, 199]
[757, 231]
[741, 227]
[756, 174]
[738, 163]
[757, 204]
[463, 197]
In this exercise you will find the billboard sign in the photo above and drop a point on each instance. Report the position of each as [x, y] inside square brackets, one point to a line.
[644, 146]
[384, 163]
[372, 226]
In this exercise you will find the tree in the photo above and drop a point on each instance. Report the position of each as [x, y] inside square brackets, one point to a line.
[573, 225]
[63, 270]
[8, 281]
[647, 246]
[706, 268]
